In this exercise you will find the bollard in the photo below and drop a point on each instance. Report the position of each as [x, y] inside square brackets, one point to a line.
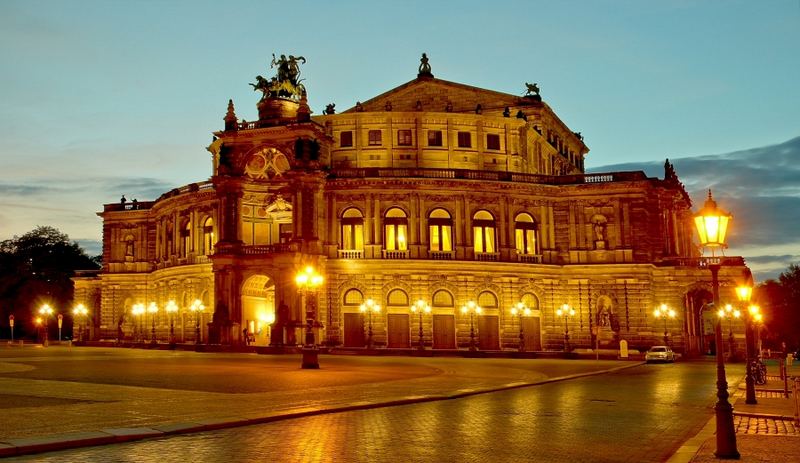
[795, 389]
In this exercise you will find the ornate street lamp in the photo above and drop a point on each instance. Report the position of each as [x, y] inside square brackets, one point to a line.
[171, 309]
[308, 283]
[744, 293]
[758, 319]
[473, 309]
[519, 310]
[369, 307]
[421, 307]
[663, 312]
[46, 312]
[152, 309]
[80, 312]
[565, 311]
[138, 328]
[712, 227]
[197, 309]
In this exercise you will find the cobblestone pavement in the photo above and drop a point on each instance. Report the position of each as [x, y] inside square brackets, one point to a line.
[640, 414]
[58, 390]
[764, 425]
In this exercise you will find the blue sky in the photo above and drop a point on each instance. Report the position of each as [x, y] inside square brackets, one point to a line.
[112, 97]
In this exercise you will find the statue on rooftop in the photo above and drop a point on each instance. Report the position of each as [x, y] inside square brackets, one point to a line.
[533, 89]
[286, 83]
[424, 67]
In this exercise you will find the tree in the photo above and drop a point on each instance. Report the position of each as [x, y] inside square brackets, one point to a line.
[36, 268]
[781, 303]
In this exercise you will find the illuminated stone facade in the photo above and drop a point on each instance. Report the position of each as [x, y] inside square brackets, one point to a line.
[434, 190]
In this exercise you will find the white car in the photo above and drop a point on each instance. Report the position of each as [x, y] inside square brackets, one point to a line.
[659, 354]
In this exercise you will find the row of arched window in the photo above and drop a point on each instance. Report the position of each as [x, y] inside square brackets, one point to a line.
[440, 231]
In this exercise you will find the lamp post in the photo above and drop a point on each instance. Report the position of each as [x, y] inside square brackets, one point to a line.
[38, 322]
[80, 312]
[663, 312]
[758, 319]
[46, 311]
[471, 308]
[197, 309]
[152, 309]
[138, 312]
[744, 293]
[712, 226]
[421, 307]
[369, 307]
[308, 282]
[519, 310]
[565, 311]
[731, 314]
[11, 325]
[171, 309]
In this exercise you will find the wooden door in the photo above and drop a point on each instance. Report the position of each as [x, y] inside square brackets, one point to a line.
[398, 330]
[353, 330]
[444, 332]
[488, 332]
[531, 331]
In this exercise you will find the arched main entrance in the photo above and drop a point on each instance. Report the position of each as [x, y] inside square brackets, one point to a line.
[258, 309]
[700, 322]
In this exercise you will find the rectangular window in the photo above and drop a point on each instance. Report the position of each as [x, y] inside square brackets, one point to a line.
[374, 137]
[353, 236]
[493, 141]
[404, 138]
[440, 238]
[346, 139]
[396, 237]
[464, 140]
[434, 138]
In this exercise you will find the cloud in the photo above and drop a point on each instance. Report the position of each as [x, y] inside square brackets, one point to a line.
[759, 186]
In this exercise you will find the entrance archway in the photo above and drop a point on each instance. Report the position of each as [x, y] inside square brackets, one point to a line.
[700, 322]
[258, 309]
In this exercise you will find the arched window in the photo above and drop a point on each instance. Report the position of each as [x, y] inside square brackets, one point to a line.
[186, 239]
[531, 301]
[487, 300]
[442, 298]
[208, 237]
[397, 297]
[170, 241]
[352, 297]
[352, 230]
[440, 230]
[483, 231]
[525, 234]
[395, 230]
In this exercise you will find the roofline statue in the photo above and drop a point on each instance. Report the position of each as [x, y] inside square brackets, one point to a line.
[286, 82]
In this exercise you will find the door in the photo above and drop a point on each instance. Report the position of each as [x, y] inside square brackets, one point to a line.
[531, 331]
[488, 332]
[353, 330]
[444, 332]
[398, 330]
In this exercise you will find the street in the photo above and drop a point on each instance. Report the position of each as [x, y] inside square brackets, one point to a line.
[637, 414]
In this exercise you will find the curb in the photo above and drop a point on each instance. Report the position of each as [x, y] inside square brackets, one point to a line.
[27, 446]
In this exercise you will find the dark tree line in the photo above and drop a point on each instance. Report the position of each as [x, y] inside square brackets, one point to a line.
[780, 303]
[35, 269]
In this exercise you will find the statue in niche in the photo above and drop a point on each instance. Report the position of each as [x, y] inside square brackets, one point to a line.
[599, 230]
[605, 317]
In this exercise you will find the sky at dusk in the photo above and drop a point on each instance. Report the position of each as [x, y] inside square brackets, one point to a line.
[106, 98]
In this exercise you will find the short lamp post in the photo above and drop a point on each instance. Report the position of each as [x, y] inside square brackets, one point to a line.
[172, 309]
[565, 311]
[757, 319]
[421, 307]
[712, 227]
[81, 313]
[11, 326]
[308, 283]
[731, 314]
[46, 312]
[38, 322]
[744, 293]
[197, 308]
[152, 309]
[663, 312]
[138, 314]
[369, 307]
[473, 309]
[519, 310]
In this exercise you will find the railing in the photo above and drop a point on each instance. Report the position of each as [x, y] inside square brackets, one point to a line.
[702, 262]
[440, 255]
[487, 256]
[387, 254]
[266, 248]
[486, 175]
[530, 258]
[351, 253]
[143, 205]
